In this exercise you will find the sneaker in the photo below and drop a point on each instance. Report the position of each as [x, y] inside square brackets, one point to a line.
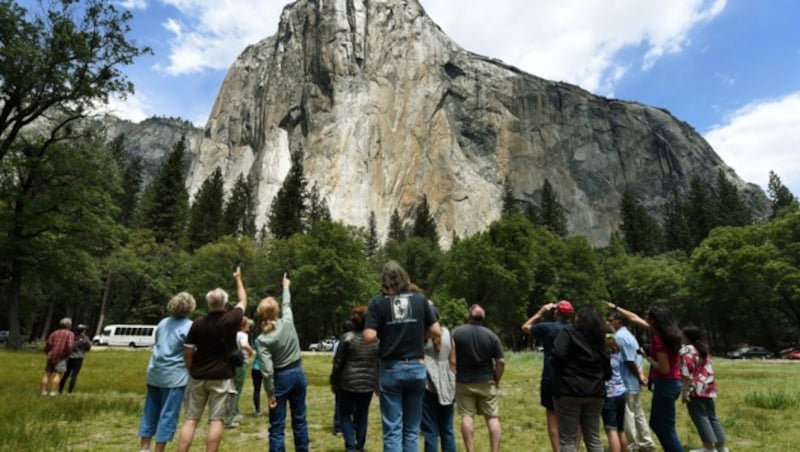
[238, 418]
[53, 393]
[259, 414]
[723, 449]
[231, 425]
[44, 393]
[702, 449]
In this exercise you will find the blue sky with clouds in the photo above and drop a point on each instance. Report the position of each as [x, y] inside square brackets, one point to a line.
[729, 68]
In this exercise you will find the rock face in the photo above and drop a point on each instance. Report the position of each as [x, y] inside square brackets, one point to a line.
[385, 108]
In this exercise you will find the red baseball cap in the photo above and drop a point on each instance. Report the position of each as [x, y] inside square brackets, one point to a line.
[564, 307]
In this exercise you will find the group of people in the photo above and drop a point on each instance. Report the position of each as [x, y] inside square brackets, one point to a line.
[593, 370]
[421, 371]
[203, 363]
[65, 352]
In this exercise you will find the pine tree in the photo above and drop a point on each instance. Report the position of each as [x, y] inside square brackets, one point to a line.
[780, 197]
[205, 218]
[239, 218]
[131, 178]
[551, 213]
[424, 223]
[676, 227]
[288, 209]
[698, 211]
[509, 202]
[372, 235]
[640, 230]
[165, 203]
[397, 232]
[729, 208]
[317, 208]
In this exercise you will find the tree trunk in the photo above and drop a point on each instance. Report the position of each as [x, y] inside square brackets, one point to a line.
[14, 333]
[103, 303]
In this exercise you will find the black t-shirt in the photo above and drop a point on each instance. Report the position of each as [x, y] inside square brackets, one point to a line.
[401, 322]
[214, 338]
[476, 349]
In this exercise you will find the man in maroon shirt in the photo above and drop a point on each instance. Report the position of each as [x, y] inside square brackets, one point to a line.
[58, 348]
[207, 352]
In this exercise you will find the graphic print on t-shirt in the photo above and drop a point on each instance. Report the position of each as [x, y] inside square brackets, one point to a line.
[401, 307]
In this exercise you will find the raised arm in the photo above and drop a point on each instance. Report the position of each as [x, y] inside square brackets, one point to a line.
[526, 327]
[242, 294]
[631, 316]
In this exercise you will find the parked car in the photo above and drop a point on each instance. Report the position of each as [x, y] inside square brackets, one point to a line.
[749, 352]
[325, 345]
[793, 355]
[3, 336]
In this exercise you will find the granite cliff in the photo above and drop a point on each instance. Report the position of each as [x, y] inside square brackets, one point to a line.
[384, 108]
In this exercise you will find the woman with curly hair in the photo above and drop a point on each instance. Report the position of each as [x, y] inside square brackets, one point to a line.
[167, 375]
[665, 373]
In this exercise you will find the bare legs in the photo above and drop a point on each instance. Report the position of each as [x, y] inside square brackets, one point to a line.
[468, 429]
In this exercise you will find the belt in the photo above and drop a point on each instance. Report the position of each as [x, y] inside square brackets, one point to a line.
[291, 365]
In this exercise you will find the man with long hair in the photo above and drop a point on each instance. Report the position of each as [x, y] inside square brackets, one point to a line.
[401, 319]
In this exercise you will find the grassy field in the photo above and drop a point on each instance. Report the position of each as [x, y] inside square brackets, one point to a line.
[757, 405]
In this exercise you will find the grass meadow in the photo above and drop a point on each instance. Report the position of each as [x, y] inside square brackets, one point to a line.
[758, 404]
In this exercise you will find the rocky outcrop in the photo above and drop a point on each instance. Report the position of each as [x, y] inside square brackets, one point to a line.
[385, 108]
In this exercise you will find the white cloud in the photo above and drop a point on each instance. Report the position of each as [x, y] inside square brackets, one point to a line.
[211, 34]
[578, 41]
[761, 137]
[133, 4]
[134, 108]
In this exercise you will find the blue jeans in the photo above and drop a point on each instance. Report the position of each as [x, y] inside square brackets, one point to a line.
[353, 413]
[662, 413]
[162, 406]
[437, 423]
[402, 386]
[290, 386]
[704, 416]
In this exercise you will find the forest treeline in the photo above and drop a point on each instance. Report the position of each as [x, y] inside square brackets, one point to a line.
[83, 237]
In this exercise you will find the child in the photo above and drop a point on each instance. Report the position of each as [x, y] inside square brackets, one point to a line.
[700, 389]
[614, 406]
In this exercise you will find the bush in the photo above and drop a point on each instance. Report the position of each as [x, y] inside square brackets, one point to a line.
[772, 400]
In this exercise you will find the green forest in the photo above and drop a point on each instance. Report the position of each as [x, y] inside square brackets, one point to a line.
[82, 236]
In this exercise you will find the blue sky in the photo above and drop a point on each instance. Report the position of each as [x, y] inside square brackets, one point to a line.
[729, 68]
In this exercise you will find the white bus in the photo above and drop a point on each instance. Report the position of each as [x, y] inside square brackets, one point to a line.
[127, 336]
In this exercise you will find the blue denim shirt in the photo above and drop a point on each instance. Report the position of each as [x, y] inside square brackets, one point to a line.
[629, 347]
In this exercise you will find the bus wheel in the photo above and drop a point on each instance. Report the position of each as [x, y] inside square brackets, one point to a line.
[132, 345]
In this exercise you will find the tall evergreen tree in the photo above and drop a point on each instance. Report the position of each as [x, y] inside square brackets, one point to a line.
[780, 197]
[397, 232]
[509, 202]
[288, 209]
[372, 235]
[165, 203]
[640, 230]
[699, 209]
[131, 173]
[424, 223]
[317, 208]
[205, 217]
[676, 227]
[239, 218]
[551, 213]
[729, 208]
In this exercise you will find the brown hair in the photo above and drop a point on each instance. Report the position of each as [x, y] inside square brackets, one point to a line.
[358, 315]
[394, 278]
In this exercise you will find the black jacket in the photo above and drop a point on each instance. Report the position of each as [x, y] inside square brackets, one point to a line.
[581, 367]
[355, 364]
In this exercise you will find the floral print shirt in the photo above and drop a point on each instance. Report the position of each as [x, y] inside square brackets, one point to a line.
[698, 372]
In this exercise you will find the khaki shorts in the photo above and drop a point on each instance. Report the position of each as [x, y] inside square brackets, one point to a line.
[56, 368]
[477, 398]
[220, 395]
